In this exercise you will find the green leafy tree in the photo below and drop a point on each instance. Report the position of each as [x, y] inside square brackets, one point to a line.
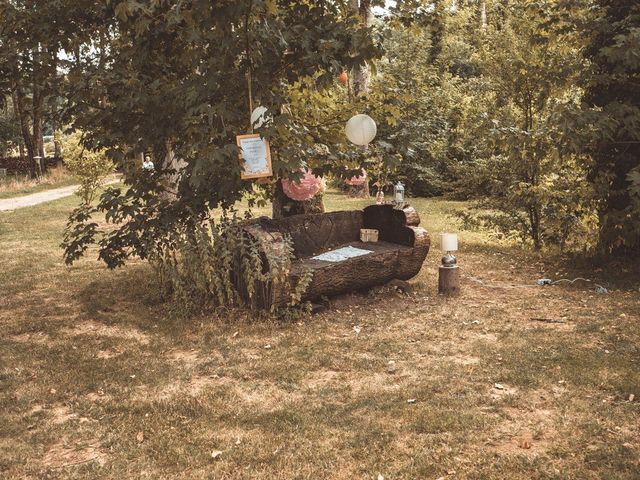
[89, 166]
[530, 190]
[181, 82]
[36, 40]
[612, 117]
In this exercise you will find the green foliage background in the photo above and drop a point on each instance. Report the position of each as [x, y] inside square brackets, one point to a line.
[528, 109]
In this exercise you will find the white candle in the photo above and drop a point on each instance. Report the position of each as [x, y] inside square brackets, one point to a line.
[449, 242]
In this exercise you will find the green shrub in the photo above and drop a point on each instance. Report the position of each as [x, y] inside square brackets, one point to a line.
[212, 264]
[89, 166]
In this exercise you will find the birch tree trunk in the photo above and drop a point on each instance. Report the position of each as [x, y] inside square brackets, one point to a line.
[362, 76]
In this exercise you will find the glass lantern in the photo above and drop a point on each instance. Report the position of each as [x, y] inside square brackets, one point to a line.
[398, 194]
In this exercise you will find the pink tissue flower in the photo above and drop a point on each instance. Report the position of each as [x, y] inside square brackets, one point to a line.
[359, 180]
[306, 189]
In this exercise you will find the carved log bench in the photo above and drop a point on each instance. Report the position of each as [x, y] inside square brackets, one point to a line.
[399, 253]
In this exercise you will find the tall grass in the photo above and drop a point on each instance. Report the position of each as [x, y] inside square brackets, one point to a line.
[22, 184]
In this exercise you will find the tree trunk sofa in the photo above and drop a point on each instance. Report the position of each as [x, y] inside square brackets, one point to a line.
[399, 253]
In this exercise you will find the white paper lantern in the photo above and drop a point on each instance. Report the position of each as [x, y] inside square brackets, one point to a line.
[361, 129]
[259, 117]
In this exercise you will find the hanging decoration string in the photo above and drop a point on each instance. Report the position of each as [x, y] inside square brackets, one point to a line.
[249, 63]
[250, 99]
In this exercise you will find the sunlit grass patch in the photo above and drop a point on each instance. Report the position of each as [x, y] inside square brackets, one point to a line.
[101, 378]
[18, 185]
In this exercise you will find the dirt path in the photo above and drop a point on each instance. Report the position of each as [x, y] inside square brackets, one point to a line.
[42, 197]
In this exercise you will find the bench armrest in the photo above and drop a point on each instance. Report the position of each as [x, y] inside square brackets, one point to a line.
[393, 224]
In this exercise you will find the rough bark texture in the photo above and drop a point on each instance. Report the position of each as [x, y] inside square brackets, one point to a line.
[361, 75]
[175, 165]
[19, 103]
[32, 135]
[57, 146]
[399, 253]
[449, 281]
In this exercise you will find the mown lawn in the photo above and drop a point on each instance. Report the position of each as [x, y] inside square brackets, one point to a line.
[99, 379]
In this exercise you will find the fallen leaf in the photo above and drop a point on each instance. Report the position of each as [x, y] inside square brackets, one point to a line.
[357, 329]
[498, 386]
[380, 476]
[632, 397]
[411, 400]
[140, 437]
[235, 334]
[267, 347]
[215, 454]
[53, 390]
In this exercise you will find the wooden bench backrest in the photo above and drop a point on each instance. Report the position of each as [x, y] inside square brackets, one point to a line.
[315, 233]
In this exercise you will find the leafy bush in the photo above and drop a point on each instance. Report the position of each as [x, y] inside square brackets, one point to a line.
[89, 166]
[212, 264]
[201, 263]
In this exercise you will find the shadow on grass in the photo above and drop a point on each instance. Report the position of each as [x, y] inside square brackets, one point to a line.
[129, 297]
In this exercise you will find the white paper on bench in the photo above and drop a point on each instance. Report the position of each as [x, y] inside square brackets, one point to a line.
[341, 254]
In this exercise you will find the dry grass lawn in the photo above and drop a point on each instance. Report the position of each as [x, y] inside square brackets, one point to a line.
[18, 185]
[99, 379]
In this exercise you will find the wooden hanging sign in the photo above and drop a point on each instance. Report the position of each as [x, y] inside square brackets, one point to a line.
[255, 156]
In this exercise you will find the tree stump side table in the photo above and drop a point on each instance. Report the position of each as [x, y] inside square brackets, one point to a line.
[449, 281]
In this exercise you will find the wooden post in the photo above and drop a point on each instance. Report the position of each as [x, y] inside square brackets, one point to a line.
[449, 281]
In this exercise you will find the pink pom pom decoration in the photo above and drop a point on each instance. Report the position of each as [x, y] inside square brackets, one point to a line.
[357, 181]
[306, 189]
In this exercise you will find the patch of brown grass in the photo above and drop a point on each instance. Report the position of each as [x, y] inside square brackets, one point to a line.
[24, 185]
[100, 381]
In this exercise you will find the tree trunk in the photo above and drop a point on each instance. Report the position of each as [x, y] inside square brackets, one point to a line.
[38, 144]
[18, 101]
[57, 147]
[16, 116]
[449, 281]
[171, 180]
[361, 75]
[36, 122]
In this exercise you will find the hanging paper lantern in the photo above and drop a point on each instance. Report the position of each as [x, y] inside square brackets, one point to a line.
[307, 188]
[259, 117]
[344, 77]
[357, 180]
[361, 129]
